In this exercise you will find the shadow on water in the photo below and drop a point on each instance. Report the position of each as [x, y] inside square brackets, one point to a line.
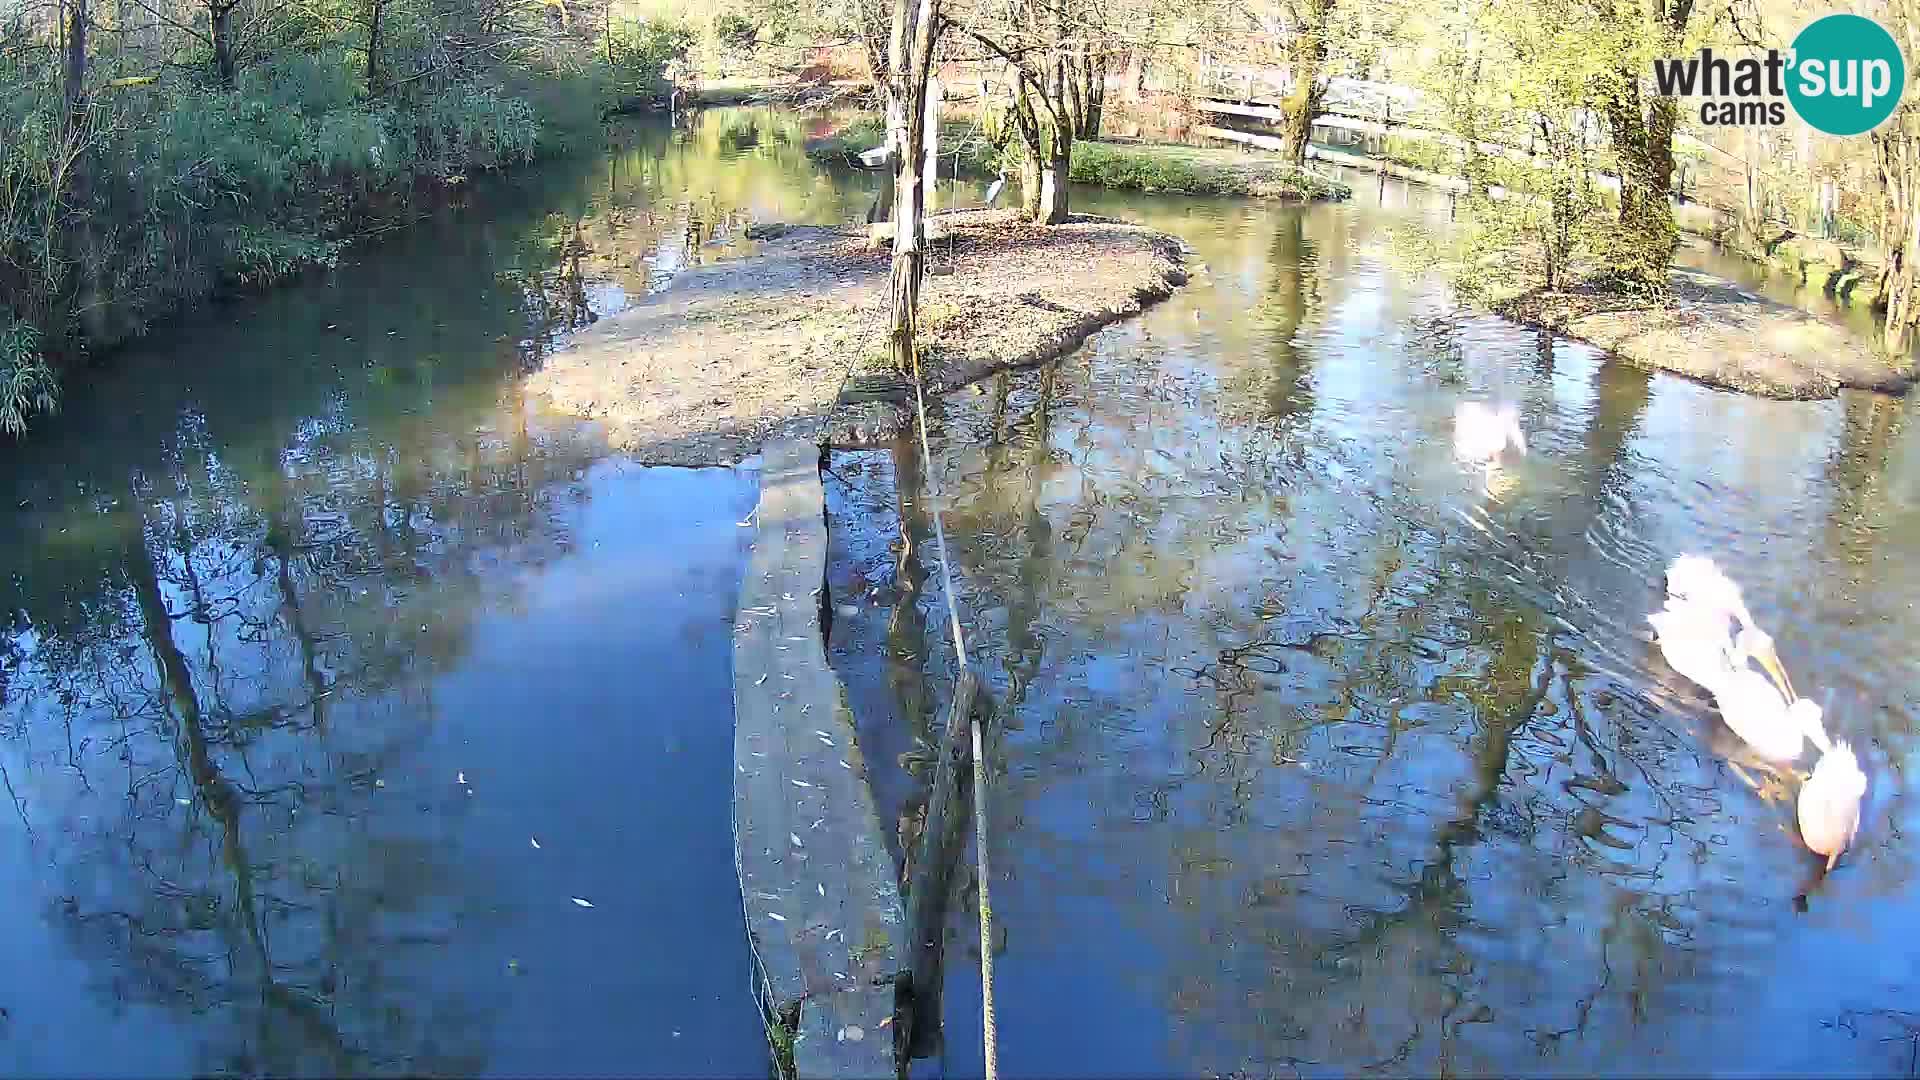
[333, 673]
[1321, 755]
[335, 677]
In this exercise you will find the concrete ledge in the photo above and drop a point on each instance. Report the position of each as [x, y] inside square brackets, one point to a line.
[823, 911]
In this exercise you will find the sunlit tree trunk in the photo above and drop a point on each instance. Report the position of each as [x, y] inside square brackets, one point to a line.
[1643, 145]
[910, 64]
[1641, 127]
[1899, 167]
[1896, 149]
[1306, 63]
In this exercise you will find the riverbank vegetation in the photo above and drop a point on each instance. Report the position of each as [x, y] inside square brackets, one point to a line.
[965, 150]
[1577, 167]
[162, 155]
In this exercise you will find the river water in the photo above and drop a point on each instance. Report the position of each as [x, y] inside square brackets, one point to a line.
[337, 683]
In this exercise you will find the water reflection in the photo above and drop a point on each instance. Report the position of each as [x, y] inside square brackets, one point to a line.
[1317, 761]
[329, 667]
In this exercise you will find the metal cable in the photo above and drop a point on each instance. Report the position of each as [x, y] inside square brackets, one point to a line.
[989, 1039]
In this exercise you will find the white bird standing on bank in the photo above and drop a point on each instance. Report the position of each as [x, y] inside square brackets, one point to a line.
[1829, 808]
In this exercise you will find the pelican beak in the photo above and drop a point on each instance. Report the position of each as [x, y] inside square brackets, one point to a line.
[1770, 660]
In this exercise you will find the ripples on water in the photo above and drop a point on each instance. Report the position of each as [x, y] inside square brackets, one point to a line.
[283, 579]
[1320, 759]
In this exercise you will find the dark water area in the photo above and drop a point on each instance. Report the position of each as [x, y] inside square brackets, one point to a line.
[335, 676]
[333, 673]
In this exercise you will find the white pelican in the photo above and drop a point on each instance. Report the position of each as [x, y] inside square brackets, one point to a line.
[1756, 710]
[1481, 433]
[1698, 583]
[1830, 803]
[1694, 641]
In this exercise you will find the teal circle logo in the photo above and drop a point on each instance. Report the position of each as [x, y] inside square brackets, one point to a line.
[1846, 75]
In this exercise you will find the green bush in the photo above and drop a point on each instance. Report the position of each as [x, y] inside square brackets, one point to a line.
[195, 190]
[638, 57]
[962, 145]
[27, 384]
[1195, 171]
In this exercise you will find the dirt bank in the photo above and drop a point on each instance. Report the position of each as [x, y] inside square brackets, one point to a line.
[1717, 333]
[791, 341]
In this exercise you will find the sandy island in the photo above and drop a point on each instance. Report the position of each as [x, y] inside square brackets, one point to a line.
[1714, 332]
[791, 341]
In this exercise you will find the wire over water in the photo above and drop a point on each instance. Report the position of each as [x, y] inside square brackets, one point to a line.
[988, 1037]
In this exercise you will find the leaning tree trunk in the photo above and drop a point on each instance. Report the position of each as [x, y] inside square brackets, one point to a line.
[910, 63]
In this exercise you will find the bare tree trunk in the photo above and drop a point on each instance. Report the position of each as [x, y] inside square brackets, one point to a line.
[220, 19]
[1053, 202]
[1897, 287]
[910, 63]
[1896, 149]
[80, 243]
[376, 8]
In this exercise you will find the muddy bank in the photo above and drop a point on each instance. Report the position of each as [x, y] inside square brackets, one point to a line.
[1717, 333]
[791, 341]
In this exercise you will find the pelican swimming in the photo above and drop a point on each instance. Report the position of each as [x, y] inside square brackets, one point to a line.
[1695, 635]
[1481, 433]
[1830, 803]
[1696, 583]
[1756, 710]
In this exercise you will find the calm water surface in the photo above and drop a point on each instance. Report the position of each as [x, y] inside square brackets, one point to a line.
[333, 677]
[1321, 757]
